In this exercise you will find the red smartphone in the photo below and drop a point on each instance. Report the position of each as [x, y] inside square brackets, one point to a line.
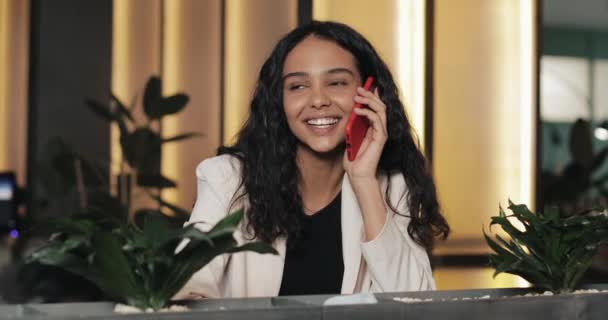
[357, 126]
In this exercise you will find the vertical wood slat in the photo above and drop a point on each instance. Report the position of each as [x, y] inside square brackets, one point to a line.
[252, 29]
[14, 54]
[192, 64]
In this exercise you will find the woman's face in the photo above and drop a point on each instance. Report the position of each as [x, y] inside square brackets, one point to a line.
[320, 80]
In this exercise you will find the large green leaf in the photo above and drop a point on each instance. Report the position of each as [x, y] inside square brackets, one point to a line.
[172, 104]
[166, 106]
[193, 234]
[53, 255]
[114, 274]
[227, 225]
[507, 264]
[523, 213]
[156, 106]
[496, 247]
[142, 150]
[152, 94]
[258, 246]
[506, 225]
[157, 229]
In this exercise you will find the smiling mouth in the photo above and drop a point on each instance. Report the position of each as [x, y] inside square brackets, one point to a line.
[322, 123]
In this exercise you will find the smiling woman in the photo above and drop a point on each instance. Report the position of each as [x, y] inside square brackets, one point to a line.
[320, 82]
[339, 226]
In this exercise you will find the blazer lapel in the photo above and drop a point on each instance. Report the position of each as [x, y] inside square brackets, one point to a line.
[352, 224]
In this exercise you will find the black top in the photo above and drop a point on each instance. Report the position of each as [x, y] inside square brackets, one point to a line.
[314, 265]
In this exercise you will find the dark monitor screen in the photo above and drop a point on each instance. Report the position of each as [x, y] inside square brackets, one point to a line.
[8, 208]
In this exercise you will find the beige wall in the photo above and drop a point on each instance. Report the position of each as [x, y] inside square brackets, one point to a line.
[136, 54]
[14, 66]
[484, 125]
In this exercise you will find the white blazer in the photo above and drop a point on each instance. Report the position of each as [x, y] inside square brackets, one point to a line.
[390, 262]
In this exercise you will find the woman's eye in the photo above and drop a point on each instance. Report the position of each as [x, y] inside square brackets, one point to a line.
[295, 86]
[338, 83]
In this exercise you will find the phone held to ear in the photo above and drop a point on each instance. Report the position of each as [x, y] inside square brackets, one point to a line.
[357, 126]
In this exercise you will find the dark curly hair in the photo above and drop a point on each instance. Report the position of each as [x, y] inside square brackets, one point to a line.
[267, 148]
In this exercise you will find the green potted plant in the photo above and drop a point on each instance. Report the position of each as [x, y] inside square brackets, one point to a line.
[131, 261]
[551, 249]
[138, 265]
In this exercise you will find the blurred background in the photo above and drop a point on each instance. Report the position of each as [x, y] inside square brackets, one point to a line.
[508, 98]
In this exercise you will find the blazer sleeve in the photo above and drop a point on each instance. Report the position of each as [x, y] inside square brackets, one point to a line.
[394, 261]
[212, 204]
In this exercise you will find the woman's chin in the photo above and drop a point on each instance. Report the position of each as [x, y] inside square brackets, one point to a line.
[326, 150]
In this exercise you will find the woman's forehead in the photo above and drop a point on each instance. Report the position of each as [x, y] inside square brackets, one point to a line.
[314, 55]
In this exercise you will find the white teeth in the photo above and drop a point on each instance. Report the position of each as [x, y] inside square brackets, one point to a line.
[322, 121]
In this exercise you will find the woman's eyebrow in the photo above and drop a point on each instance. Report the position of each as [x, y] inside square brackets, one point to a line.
[330, 71]
[295, 74]
[340, 70]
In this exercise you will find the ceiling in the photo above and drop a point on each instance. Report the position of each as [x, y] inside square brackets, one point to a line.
[592, 14]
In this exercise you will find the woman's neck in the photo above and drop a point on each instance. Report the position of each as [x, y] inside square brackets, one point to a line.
[320, 177]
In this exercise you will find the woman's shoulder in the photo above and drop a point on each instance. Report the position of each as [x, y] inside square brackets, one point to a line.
[219, 168]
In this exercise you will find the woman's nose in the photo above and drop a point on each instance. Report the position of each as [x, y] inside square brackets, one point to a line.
[319, 97]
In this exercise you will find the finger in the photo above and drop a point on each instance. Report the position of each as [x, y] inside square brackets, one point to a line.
[374, 106]
[372, 103]
[378, 120]
[371, 95]
[374, 119]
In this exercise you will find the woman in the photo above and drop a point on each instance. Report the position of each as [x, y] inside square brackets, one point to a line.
[339, 226]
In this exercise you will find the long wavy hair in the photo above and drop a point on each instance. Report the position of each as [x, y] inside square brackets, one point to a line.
[266, 147]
